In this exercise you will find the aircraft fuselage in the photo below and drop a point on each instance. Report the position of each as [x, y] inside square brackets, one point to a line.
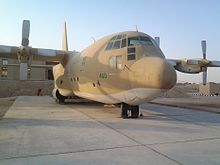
[126, 67]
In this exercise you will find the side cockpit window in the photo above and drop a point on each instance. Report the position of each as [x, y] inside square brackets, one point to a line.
[117, 42]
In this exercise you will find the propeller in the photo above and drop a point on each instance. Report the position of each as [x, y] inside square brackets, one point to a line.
[203, 63]
[204, 76]
[203, 43]
[24, 50]
[25, 54]
[25, 33]
[204, 69]
[23, 71]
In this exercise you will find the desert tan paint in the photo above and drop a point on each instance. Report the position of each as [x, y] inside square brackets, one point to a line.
[83, 72]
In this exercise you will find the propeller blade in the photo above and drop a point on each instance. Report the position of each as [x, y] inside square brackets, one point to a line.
[23, 71]
[204, 76]
[203, 43]
[25, 33]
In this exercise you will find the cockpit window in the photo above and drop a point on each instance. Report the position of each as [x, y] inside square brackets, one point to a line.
[109, 46]
[141, 40]
[123, 43]
[113, 38]
[117, 42]
[119, 37]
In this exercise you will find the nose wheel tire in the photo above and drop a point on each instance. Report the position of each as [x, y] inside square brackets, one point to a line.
[60, 98]
[129, 111]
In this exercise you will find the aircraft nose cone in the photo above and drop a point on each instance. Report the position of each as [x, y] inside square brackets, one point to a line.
[152, 72]
[166, 74]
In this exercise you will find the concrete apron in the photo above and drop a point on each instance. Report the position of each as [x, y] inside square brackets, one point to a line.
[38, 131]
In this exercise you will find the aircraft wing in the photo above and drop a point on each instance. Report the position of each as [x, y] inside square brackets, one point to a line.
[193, 62]
[194, 66]
[8, 51]
[32, 65]
[48, 54]
[39, 54]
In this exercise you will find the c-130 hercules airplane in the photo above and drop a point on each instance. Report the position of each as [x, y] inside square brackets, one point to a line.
[126, 68]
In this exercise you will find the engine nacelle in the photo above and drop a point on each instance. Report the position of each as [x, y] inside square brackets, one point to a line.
[193, 69]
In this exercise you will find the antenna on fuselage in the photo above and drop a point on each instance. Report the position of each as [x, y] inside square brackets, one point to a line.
[136, 28]
[93, 39]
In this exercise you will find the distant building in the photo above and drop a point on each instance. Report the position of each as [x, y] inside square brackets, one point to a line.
[210, 88]
[12, 72]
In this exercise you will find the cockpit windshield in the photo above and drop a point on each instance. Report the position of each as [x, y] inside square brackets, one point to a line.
[140, 40]
[117, 42]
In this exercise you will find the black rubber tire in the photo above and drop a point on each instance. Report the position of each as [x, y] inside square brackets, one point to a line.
[134, 111]
[60, 98]
[124, 110]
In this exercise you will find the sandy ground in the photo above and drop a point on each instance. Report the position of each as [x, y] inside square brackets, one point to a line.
[5, 104]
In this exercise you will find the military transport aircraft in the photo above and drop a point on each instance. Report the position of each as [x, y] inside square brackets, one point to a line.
[126, 68]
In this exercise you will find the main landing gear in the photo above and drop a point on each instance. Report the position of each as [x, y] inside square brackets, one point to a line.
[129, 111]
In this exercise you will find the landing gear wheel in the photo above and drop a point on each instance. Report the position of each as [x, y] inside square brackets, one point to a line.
[124, 110]
[134, 111]
[60, 98]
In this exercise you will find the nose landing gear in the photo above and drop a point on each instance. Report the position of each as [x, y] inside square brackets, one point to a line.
[129, 111]
[60, 98]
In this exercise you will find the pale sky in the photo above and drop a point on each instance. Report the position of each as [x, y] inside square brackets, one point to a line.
[181, 24]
